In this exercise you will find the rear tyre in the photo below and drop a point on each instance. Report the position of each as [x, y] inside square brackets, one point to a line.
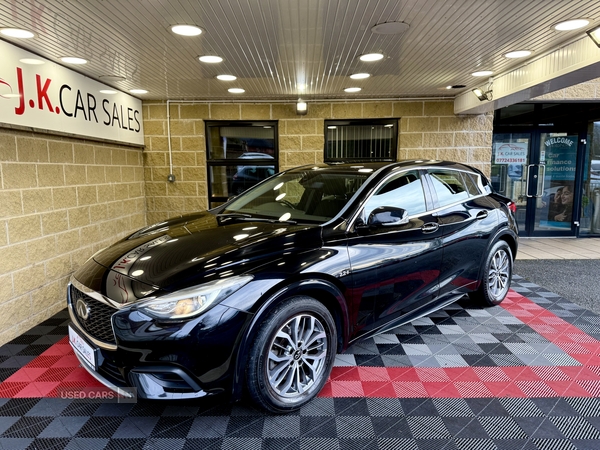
[292, 355]
[496, 276]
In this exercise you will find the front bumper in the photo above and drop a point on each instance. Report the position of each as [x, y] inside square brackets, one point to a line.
[163, 361]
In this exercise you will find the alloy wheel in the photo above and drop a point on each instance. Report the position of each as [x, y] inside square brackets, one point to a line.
[297, 356]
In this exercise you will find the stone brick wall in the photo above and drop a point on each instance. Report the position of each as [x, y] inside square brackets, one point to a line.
[61, 200]
[428, 129]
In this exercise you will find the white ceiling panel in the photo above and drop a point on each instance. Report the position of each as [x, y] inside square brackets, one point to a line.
[272, 45]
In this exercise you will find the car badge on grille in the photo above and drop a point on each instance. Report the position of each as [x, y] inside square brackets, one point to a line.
[83, 309]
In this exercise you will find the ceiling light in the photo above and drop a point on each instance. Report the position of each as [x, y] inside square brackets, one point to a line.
[107, 91]
[352, 89]
[16, 33]
[448, 87]
[569, 25]
[390, 28]
[331, 127]
[595, 35]
[517, 54]
[210, 59]
[186, 30]
[301, 107]
[482, 73]
[73, 60]
[226, 77]
[112, 78]
[301, 86]
[371, 57]
[236, 90]
[389, 125]
[138, 91]
[32, 61]
[360, 76]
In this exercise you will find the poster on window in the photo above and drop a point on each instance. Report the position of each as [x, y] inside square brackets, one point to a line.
[560, 158]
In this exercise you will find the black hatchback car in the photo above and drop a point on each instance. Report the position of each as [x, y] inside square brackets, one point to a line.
[259, 294]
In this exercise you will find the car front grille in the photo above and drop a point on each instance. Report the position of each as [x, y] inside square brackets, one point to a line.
[98, 324]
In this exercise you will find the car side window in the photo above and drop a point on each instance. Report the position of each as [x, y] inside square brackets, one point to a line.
[404, 190]
[449, 186]
[471, 184]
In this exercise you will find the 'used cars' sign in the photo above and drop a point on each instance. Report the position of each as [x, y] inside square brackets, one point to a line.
[50, 97]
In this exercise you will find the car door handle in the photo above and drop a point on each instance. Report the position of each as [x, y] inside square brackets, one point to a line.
[430, 227]
[481, 215]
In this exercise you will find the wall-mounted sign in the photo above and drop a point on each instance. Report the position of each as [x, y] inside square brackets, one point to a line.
[51, 97]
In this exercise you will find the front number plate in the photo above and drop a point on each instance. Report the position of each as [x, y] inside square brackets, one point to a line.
[83, 349]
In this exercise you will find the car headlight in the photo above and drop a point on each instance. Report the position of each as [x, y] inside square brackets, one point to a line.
[195, 300]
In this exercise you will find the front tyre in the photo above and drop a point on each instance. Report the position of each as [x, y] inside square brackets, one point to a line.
[496, 276]
[292, 355]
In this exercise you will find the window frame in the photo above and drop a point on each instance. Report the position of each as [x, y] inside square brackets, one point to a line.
[215, 201]
[362, 122]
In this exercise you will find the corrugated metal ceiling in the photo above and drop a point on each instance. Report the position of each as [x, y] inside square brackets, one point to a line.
[272, 45]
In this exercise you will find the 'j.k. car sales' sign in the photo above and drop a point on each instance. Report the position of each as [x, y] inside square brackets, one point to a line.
[50, 97]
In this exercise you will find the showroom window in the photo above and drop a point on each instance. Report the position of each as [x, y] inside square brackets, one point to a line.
[361, 140]
[239, 155]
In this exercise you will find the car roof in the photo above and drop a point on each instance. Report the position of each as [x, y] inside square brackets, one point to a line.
[375, 166]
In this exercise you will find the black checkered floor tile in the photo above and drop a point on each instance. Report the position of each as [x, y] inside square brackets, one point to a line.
[461, 340]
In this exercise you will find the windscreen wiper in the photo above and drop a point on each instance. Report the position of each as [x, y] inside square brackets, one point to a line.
[250, 218]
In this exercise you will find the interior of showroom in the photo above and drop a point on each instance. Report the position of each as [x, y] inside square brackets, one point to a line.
[138, 128]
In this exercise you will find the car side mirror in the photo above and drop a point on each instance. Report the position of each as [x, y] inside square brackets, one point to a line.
[387, 216]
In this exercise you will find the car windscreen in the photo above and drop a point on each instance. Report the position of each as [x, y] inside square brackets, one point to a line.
[312, 196]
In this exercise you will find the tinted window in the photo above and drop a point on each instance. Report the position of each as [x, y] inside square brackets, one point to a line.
[449, 186]
[404, 191]
[471, 183]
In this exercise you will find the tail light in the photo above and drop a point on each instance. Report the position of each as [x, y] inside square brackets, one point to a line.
[513, 207]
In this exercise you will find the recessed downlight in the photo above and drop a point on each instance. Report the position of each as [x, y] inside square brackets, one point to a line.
[138, 91]
[17, 33]
[212, 59]
[32, 61]
[353, 89]
[482, 73]
[73, 60]
[573, 24]
[108, 91]
[517, 54]
[186, 30]
[226, 77]
[360, 76]
[301, 86]
[371, 57]
[236, 90]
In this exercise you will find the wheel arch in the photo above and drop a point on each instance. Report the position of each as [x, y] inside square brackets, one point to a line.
[322, 290]
[505, 235]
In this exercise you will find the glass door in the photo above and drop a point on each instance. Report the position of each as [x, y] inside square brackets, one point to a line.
[510, 160]
[556, 170]
[537, 170]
